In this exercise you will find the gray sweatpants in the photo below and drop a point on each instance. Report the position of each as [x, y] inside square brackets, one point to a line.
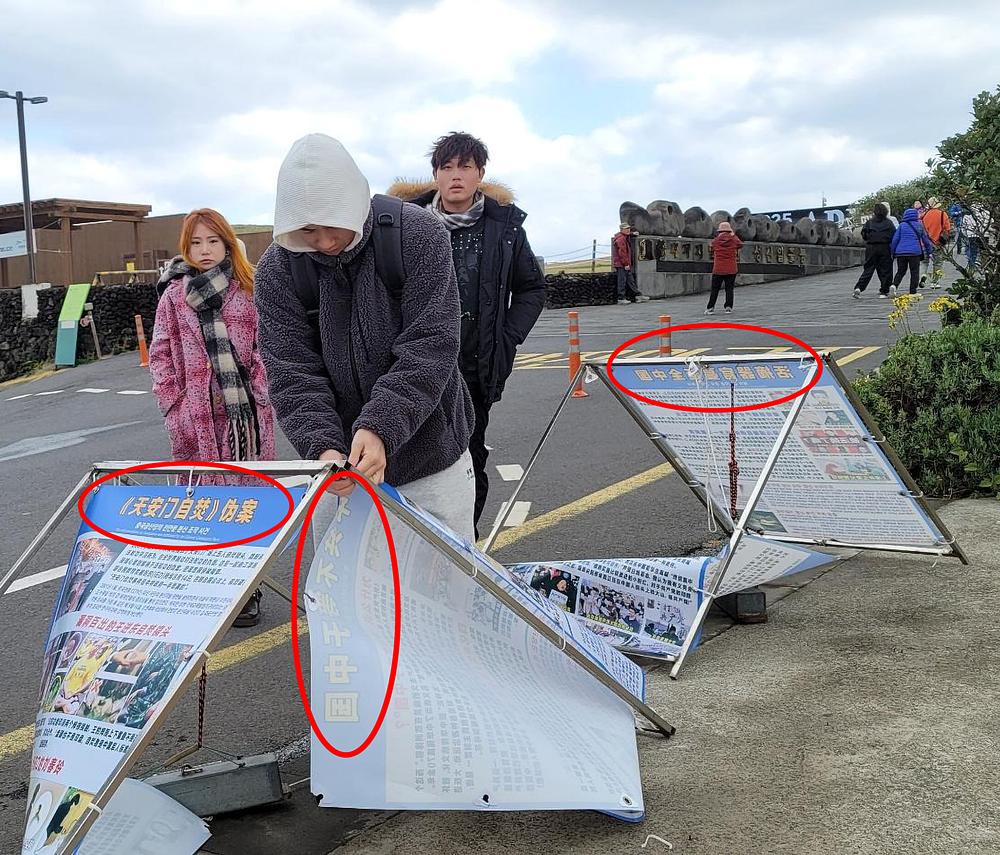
[450, 495]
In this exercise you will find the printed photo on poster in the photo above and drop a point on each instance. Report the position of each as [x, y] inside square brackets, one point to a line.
[91, 559]
[154, 679]
[559, 587]
[619, 609]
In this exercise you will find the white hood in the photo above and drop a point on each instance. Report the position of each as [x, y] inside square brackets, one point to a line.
[319, 184]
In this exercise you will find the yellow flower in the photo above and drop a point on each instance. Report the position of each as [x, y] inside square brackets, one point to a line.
[943, 303]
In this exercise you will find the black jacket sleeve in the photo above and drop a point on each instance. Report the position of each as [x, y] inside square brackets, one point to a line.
[527, 291]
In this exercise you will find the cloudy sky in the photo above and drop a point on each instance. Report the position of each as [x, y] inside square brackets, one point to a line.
[187, 103]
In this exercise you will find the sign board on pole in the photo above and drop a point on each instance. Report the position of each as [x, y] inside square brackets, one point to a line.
[486, 709]
[129, 625]
[14, 244]
[69, 321]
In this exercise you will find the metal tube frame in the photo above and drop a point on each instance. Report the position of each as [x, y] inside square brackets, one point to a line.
[43, 535]
[699, 488]
[702, 491]
[502, 518]
[740, 528]
[890, 452]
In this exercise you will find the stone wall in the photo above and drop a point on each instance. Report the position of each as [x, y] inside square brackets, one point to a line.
[27, 343]
[564, 290]
[669, 266]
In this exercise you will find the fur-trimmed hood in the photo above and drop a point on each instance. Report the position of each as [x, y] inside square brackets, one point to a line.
[499, 199]
[409, 190]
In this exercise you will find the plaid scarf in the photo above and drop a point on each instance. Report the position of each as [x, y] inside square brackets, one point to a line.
[462, 220]
[204, 293]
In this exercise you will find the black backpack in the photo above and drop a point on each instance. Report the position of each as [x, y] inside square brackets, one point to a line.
[388, 241]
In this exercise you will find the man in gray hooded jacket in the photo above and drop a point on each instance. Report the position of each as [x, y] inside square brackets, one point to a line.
[382, 387]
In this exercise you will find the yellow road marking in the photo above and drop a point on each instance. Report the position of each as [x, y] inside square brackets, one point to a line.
[858, 354]
[524, 358]
[222, 660]
[582, 505]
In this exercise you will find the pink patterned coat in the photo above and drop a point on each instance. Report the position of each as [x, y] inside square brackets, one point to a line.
[184, 384]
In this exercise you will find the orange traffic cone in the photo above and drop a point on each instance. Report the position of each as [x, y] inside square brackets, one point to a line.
[665, 346]
[141, 335]
[574, 354]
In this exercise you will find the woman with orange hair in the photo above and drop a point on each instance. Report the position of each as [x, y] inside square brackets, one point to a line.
[207, 373]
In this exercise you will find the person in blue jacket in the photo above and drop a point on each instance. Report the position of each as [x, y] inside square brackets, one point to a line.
[955, 212]
[908, 246]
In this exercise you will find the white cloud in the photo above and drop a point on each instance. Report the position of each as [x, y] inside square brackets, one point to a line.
[721, 107]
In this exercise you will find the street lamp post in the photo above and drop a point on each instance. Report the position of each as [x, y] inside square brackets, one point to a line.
[28, 220]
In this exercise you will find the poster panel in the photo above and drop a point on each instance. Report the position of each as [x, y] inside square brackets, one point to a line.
[486, 711]
[758, 561]
[128, 624]
[644, 606]
[832, 481]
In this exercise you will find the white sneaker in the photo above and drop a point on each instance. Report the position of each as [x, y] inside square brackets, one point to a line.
[857, 293]
[892, 290]
[642, 298]
[709, 311]
[623, 302]
[729, 311]
[883, 296]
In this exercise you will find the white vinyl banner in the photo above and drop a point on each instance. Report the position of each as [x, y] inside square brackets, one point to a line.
[480, 696]
[758, 561]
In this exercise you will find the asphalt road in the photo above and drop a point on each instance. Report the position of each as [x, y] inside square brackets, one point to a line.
[594, 492]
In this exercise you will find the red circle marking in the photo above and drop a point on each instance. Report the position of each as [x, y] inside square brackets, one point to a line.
[716, 326]
[397, 626]
[174, 463]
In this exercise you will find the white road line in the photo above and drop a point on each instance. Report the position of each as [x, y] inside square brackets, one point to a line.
[18, 397]
[54, 392]
[510, 472]
[517, 516]
[133, 392]
[37, 579]
[92, 391]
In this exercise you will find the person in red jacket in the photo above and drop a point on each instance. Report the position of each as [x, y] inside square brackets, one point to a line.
[937, 224]
[621, 259]
[725, 266]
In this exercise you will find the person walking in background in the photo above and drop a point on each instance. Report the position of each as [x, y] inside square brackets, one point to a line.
[208, 375]
[889, 216]
[621, 259]
[500, 285]
[877, 234]
[725, 266]
[908, 245]
[955, 215]
[937, 224]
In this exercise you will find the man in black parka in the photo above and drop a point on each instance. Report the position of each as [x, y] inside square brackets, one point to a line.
[877, 234]
[501, 288]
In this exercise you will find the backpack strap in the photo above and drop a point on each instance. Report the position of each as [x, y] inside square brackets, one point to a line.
[305, 281]
[387, 212]
[388, 244]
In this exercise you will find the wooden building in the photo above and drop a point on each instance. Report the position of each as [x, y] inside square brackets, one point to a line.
[77, 239]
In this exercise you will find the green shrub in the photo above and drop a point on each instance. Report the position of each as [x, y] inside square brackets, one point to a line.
[937, 399]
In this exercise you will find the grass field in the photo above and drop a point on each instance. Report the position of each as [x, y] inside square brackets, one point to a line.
[603, 265]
